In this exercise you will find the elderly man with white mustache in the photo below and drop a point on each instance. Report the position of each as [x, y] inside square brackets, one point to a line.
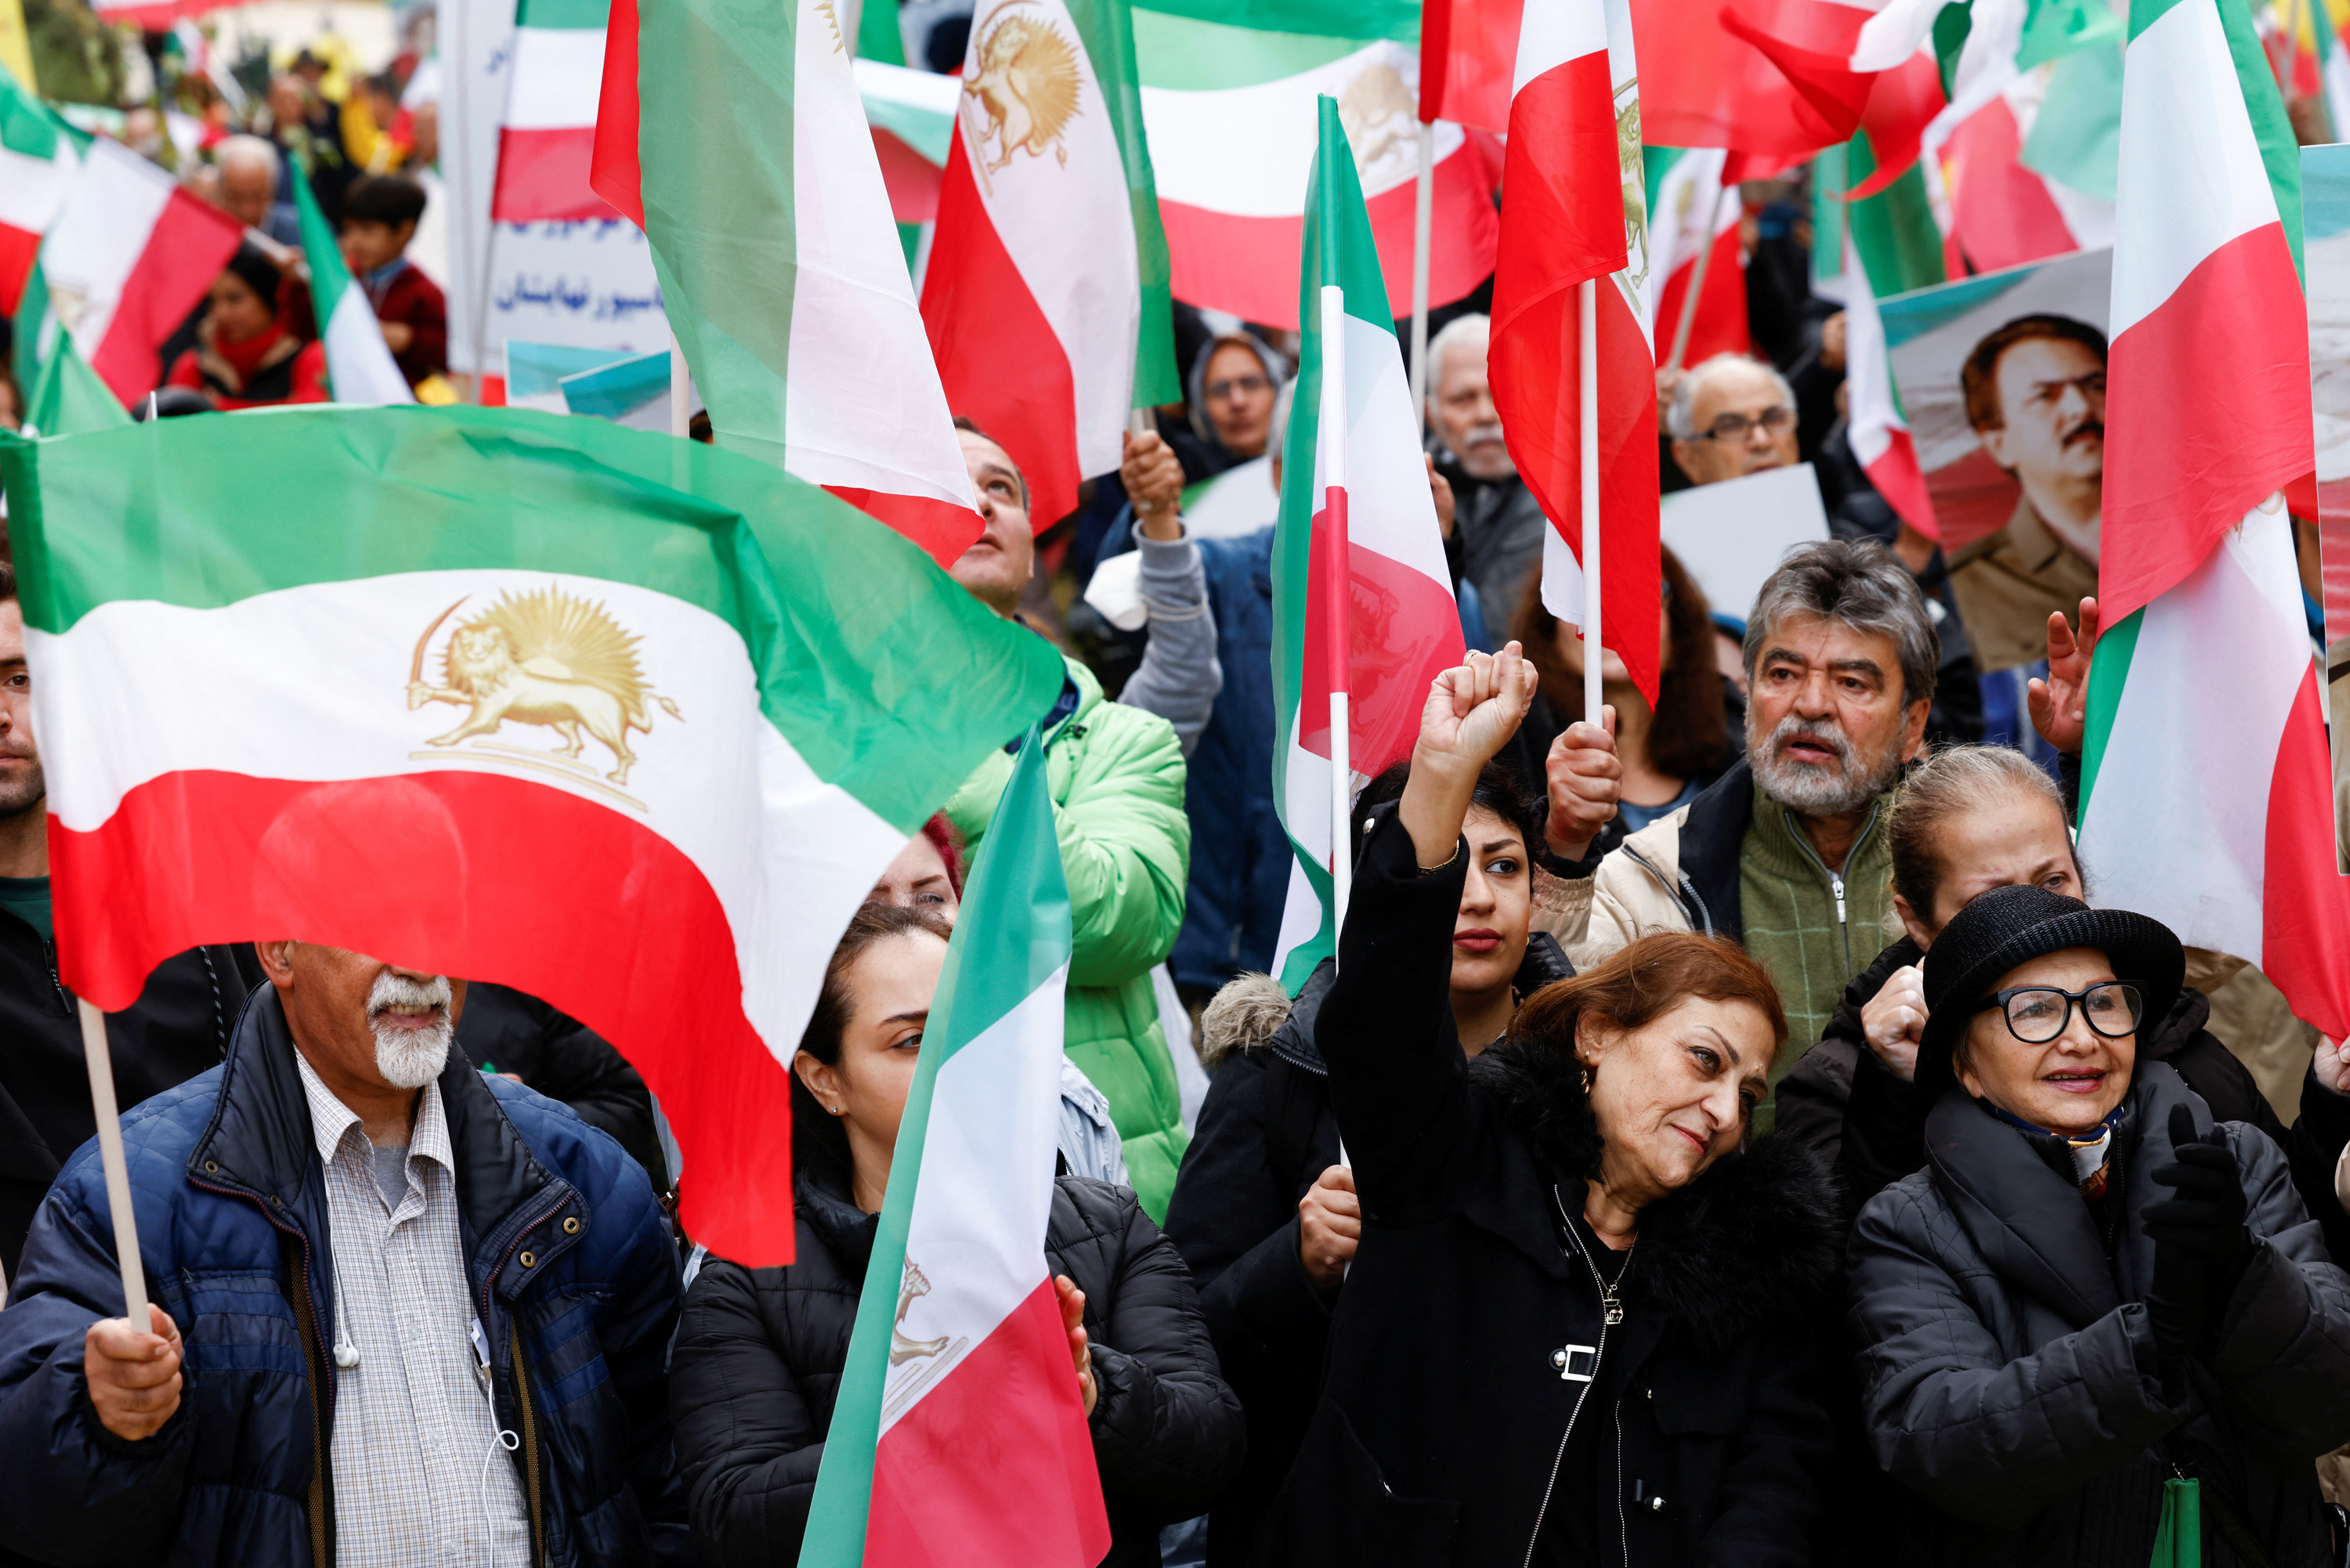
[1786, 853]
[403, 1312]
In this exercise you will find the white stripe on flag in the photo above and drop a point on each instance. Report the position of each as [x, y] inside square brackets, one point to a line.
[99, 237]
[1553, 32]
[358, 362]
[557, 79]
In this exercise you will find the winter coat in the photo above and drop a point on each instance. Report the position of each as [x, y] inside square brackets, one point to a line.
[2315, 1146]
[571, 1275]
[506, 1031]
[2008, 1365]
[760, 1351]
[1266, 1132]
[1116, 775]
[1677, 874]
[1471, 1335]
[179, 1027]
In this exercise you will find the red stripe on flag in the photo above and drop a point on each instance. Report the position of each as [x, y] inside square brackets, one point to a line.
[1468, 61]
[1899, 478]
[19, 249]
[942, 529]
[913, 180]
[1562, 186]
[1831, 97]
[998, 358]
[465, 874]
[994, 1468]
[2304, 902]
[1249, 266]
[2001, 214]
[2188, 451]
[1720, 325]
[1701, 85]
[185, 249]
[1901, 103]
[614, 171]
[1403, 631]
[543, 177]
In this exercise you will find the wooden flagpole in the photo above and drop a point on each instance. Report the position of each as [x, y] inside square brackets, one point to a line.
[117, 1169]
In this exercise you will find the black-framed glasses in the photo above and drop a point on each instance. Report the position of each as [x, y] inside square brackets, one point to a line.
[1217, 391]
[1775, 421]
[2038, 1013]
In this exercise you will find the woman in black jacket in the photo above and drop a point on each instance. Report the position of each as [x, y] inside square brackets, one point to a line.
[1576, 1330]
[2092, 1288]
[759, 1352]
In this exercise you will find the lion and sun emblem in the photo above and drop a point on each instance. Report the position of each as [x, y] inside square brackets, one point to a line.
[1023, 91]
[548, 658]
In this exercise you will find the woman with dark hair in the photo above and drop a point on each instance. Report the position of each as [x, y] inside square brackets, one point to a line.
[1264, 1207]
[246, 355]
[2094, 1287]
[759, 1352]
[1576, 1329]
[1669, 753]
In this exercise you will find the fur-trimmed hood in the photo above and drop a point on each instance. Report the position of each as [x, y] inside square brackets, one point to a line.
[1756, 1239]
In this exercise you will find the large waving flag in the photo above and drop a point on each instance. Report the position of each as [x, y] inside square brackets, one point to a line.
[912, 115]
[624, 722]
[959, 1435]
[1574, 205]
[1045, 295]
[549, 128]
[38, 162]
[780, 266]
[69, 399]
[1352, 490]
[1229, 89]
[2205, 719]
[359, 365]
[1693, 218]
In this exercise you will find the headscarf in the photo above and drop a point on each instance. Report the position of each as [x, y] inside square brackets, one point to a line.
[1195, 386]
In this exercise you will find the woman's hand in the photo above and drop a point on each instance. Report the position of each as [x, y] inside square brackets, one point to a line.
[1073, 1323]
[1586, 782]
[1329, 1227]
[2060, 704]
[1472, 711]
[1894, 1021]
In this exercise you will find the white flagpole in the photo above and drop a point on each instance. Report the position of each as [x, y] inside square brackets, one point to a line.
[1423, 226]
[1330, 430]
[1696, 281]
[681, 417]
[1587, 300]
[118, 1171]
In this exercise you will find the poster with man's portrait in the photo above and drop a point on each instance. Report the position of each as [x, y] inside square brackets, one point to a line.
[2326, 236]
[2002, 378]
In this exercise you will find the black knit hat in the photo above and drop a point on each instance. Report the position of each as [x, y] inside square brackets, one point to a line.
[259, 272]
[2009, 926]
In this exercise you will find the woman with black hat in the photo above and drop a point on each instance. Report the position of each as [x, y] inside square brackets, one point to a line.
[247, 357]
[2092, 1287]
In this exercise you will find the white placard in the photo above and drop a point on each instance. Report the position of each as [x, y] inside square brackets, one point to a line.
[1732, 536]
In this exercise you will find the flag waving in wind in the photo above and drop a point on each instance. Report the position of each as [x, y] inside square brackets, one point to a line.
[359, 365]
[958, 1433]
[1352, 488]
[38, 164]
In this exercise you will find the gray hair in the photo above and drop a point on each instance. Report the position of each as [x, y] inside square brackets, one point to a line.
[1859, 583]
[248, 150]
[1681, 418]
[1950, 782]
[1472, 330]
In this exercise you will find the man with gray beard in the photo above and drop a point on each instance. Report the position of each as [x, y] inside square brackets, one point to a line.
[404, 1312]
[1496, 541]
[1785, 853]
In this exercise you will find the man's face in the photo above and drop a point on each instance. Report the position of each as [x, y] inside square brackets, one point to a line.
[1465, 416]
[369, 244]
[2051, 399]
[285, 106]
[359, 1017]
[1744, 426]
[1828, 729]
[22, 788]
[247, 187]
[1239, 396]
[996, 568]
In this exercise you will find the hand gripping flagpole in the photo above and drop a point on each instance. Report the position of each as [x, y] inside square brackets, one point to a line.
[1330, 431]
[1423, 227]
[1586, 303]
[117, 1169]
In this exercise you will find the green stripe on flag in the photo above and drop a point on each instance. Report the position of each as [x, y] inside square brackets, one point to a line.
[1900, 244]
[1013, 934]
[564, 15]
[1339, 248]
[2056, 28]
[26, 126]
[1107, 29]
[1192, 55]
[34, 327]
[878, 37]
[2280, 150]
[867, 654]
[1952, 23]
[1397, 19]
[2108, 673]
[329, 278]
[69, 399]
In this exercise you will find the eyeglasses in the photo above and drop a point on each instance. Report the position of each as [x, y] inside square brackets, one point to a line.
[1775, 421]
[2039, 1013]
[1250, 385]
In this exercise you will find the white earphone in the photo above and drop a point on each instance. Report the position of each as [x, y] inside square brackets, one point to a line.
[346, 1354]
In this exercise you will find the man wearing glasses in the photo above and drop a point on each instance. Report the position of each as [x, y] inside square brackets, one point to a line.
[2035, 394]
[1730, 416]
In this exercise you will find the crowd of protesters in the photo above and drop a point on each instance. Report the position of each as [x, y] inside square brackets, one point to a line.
[1728, 1132]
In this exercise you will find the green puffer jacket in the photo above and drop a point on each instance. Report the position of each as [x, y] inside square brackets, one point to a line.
[1117, 778]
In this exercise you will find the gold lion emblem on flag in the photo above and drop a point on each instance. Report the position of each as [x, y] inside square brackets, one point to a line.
[1634, 177]
[546, 657]
[1025, 88]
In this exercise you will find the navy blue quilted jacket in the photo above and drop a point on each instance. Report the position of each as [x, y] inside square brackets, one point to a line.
[571, 1271]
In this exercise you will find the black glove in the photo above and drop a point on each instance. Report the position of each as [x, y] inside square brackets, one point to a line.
[2175, 1309]
[2203, 1226]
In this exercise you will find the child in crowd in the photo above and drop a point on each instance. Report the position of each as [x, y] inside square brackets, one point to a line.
[379, 217]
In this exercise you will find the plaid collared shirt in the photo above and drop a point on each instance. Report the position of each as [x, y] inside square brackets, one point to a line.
[419, 1478]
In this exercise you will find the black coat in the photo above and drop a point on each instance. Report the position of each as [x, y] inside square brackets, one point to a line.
[179, 1027]
[507, 1031]
[2008, 1365]
[1266, 1132]
[1470, 1315]
[759, 1354]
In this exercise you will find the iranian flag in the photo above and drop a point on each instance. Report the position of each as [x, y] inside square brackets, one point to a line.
[1355, 508]
[127, 258]
[2206, 721]
[1693, 218]
[736, 141]
[626, 723]
[2332, 66]
[68, 397]
[548, 131]
[38, 164]
[959, 1434]
[1229, 89]
[912, 116]
[359, 367]
[1046, 294]
[1573, 202]
[1890, 245]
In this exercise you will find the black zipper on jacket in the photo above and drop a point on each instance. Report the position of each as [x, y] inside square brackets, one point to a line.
[1836, 882]
[50, 951]
[1598, 1357]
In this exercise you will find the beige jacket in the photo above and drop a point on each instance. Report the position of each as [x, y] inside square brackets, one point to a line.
[1634, 892]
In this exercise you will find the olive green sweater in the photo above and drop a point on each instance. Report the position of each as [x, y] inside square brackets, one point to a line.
[1813, 929]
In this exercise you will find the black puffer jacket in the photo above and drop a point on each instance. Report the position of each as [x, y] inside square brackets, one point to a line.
[2009, 1368]
[759, 1354]
[1471, 1335]
[504, 1030]
[1266, 1132]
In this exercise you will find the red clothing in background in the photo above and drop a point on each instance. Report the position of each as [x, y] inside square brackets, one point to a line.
[414, 300]
[272, 367]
